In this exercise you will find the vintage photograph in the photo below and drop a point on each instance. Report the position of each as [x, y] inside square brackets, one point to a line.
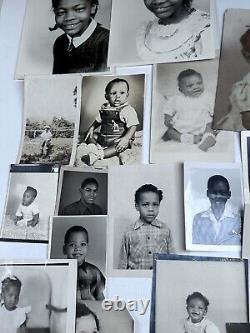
[245, 157]
[64, 36]
[111, 126]
[30, 202]
[146, 216]
[182, 114]
[233, 92]
[161, 32]
[238, 327]
[82, 238]
[51, 119]
[32, 299]
[90, 314]
[214, 206]
[82, 192]
[201, 300]
[246, 232]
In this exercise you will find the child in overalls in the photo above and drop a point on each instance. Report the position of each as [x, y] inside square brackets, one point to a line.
[118, 121]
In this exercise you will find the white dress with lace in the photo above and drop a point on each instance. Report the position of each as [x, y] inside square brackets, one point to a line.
[189, 39]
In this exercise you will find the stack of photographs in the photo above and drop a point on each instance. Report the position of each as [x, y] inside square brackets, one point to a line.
[130, 170]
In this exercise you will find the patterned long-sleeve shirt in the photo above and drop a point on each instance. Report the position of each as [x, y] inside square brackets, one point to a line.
[141, 241]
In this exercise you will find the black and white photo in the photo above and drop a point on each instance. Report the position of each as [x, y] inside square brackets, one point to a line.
[161, 32]
[51, 119]
[30, 202]
[182, 114]
[198, 294]
[90, 315]
[233, 92]
[82, 192]
[146, 216]
[238, 327]
[213, 206]
[62, 36]
[111, 126]
[32, 297]
[84, 239]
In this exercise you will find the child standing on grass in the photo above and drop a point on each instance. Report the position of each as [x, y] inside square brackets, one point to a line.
[84, 45]
[147, 235]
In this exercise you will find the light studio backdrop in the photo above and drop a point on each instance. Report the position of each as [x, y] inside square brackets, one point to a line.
[36, 45]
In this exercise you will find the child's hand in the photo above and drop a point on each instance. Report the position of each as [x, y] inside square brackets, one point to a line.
[208, 142]
[122, 145]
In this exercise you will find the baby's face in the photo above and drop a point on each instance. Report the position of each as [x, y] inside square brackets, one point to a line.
[219, 193]
[192, 86]
[77, 247]
[86, 324]
[164, 9]
[28, 198]
[148, 206]
[11, 297]
[196, 310]
[73, 16]
[89, 193]
[118, 94]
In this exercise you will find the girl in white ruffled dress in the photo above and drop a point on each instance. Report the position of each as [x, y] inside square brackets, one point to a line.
[178, 33]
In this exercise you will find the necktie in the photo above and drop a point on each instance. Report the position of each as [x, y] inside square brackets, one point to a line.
[70, 46]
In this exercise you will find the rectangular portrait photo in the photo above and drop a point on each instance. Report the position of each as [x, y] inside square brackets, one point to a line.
[161, 32]
[104, 321]
[214, 207]
[64, 36]
[32, 297]
[238, 327]
[30, 202]
[111, 126]
[51, 119]
[82, 238]
[233, 90]
[182, 114]
[146, 216]
[82, 192]
[194, 294]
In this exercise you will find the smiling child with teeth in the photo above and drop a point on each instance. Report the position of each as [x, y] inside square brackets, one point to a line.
[84, 45]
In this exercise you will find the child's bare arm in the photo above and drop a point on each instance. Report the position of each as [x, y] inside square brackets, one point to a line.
[91, 129]
[17, 218]
[124, 141]
[34, 221]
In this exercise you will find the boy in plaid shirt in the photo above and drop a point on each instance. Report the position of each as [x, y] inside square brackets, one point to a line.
[147, 235]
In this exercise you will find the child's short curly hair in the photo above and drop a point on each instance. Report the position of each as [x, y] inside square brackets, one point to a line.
[31, 190]
[197, 295]
[55, 4]
[147, 188]
[186, 73]
[11, 281]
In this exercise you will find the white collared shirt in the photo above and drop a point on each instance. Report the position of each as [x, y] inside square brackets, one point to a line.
[84, 36]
